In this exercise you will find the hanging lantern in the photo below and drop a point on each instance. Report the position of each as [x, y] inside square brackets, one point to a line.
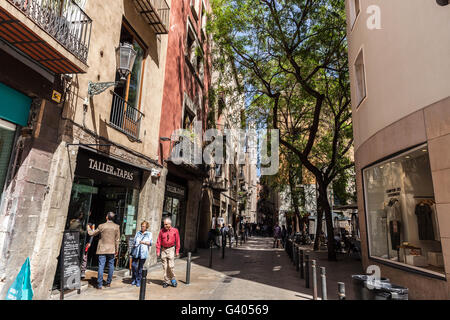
[125, 57]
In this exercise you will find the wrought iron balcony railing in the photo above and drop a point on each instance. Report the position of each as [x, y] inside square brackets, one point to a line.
[124, 117]
[63, 20]
[156, 13]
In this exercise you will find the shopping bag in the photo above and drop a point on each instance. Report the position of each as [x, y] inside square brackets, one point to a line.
[21, 288]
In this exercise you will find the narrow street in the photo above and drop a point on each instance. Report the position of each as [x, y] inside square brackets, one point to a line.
[253, 271]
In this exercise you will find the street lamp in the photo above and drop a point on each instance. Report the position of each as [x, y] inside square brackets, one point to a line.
[125, 58]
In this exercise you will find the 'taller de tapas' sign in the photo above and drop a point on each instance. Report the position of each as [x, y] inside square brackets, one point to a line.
[109, 169]
[105, 170]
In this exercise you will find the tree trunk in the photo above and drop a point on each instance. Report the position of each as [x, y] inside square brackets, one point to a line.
[324, 203]
[295, 202]
[318, 227]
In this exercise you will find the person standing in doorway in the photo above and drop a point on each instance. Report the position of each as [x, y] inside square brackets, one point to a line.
[84, 261]
[168, 246]
[108, 247]
[141, 246]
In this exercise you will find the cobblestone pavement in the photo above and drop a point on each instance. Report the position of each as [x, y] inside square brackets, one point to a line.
[253, 271]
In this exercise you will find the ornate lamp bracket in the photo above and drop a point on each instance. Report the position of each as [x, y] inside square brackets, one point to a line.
[95, 88]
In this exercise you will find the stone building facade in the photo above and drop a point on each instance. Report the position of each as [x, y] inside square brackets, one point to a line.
[72, 157]
[399, 71]
[185, 107]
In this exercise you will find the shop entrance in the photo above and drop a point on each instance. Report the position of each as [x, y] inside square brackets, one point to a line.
[89, 205]
[102, 185]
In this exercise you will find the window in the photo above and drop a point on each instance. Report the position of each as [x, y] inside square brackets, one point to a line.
[194, 52]
[188, 120]
[195, 6]
[204, 21]
[218, 170]
[360, 78]
[7, 137]
[131, 91]
[402, 222]
[355, 8]
[125, 110]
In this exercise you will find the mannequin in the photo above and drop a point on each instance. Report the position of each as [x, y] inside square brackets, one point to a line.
[394, 223]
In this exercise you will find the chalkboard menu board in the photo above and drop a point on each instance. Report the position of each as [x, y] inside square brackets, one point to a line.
[70, 263]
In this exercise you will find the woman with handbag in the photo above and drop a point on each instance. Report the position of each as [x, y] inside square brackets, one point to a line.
[141, 247]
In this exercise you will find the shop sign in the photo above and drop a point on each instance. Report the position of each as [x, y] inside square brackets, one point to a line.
[56, 96]
[107, 170]
[70, 264]
[81, 188]
[175, 190]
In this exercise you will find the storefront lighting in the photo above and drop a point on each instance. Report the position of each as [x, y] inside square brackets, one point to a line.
[424, 150]
[125, 58]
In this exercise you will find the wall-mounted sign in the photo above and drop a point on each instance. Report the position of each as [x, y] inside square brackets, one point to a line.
[103, 169]
[175, 189]
[56, 96]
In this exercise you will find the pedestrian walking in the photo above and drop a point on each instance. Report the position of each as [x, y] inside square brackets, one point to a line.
[168, 246]
[230, 234]
[276, 235]
[212, 238]
[141, 246]
[108, 247]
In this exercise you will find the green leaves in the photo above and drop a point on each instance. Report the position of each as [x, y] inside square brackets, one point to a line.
[291, 57]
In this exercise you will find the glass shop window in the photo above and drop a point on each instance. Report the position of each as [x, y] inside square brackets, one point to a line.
[402, 220]
[171, 210]
[7, 137]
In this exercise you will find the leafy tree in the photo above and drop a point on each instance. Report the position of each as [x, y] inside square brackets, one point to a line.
[291, 56]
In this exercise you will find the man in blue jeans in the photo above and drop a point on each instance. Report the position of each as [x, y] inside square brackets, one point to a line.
[108, 247]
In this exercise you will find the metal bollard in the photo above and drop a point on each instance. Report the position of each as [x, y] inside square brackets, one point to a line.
[143, 285]
[224, 244]
[302, 265]
[314, 279]
[297, 254]
[210, 254]
[307, 271]
[341, 290]
[188, 269]
[293, 253]
[324, 283]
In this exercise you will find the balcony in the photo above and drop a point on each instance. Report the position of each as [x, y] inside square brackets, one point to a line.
[156, 13]
[48, 31]
[124, 117]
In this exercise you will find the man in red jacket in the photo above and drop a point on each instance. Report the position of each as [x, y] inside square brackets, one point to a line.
[168, 245]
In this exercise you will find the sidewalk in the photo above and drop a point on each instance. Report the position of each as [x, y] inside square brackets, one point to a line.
[253, 271]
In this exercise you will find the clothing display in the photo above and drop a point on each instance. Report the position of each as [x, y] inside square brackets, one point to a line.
[425, 221]
[401, 214]
[394, 231]
[393, 218]
[393, 210]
